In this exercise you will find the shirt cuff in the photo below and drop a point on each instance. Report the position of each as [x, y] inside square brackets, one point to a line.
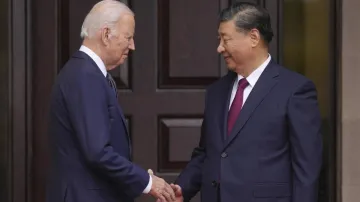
[148, 187]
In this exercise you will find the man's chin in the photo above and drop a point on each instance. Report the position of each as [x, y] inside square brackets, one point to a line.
[231, 67]
[121, 62]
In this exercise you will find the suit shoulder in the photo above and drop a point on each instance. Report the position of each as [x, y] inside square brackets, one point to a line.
[77, 66]
[77, 74]
[292, 78]
[77, 69]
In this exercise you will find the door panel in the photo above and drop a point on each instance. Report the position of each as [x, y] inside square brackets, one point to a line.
[187, 42]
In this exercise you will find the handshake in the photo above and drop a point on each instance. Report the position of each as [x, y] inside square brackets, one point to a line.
[163, 191]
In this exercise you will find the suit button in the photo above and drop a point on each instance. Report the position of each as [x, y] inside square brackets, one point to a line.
[224, 155]
[214, 183]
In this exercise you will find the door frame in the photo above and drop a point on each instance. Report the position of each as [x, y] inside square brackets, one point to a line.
[20, 102]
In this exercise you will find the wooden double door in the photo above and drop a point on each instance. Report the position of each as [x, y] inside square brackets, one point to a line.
[161, 85]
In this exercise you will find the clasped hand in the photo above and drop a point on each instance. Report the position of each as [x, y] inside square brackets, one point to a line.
[163, 191]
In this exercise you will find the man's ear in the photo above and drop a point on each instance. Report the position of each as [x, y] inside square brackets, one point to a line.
[255, 37]
[105, 36]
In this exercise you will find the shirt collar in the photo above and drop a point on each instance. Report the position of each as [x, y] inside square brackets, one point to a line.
[255, 75]
[94, 57]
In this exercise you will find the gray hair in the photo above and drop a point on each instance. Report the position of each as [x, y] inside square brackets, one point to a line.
[248, 16]
[105, 13]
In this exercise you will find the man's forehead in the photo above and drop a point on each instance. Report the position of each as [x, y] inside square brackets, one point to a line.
[226, 27]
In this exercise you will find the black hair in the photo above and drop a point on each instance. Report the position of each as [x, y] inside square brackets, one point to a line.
[248, 16]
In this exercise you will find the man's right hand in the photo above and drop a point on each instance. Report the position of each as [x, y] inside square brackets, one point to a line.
[161, 190]
[178, 193]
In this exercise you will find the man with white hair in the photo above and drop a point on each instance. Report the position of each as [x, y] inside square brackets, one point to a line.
[89, 141]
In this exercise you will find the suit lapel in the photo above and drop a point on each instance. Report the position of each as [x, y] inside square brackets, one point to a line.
[126, 127]
[262, 87]
[123, 118]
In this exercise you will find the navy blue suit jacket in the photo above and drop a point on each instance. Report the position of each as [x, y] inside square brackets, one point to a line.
[274, 151]
[89, 141]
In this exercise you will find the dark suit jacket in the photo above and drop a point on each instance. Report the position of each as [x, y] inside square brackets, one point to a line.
[274, 151]
[89, 142]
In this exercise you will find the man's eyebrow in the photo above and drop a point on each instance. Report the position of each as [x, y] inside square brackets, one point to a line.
[223, 34]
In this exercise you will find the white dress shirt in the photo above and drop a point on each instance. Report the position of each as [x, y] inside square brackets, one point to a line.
[251, 79]
[102, 67]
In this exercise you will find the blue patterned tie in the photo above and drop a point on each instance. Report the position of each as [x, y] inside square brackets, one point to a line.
[112, 83]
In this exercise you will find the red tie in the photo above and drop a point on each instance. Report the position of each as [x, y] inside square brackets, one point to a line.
[236, 104]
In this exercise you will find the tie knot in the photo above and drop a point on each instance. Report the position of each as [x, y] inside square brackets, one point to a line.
[243, 83]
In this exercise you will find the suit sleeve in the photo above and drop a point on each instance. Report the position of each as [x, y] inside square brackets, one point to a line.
[306, 142]
[86, 100]
[190, 178]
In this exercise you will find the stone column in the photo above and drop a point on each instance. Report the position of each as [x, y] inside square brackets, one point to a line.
[350, 102]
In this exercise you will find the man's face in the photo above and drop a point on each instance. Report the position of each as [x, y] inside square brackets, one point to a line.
[122, 41]
[235, 46]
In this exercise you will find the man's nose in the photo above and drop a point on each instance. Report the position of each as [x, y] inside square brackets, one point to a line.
[220, 48]
[132, 45]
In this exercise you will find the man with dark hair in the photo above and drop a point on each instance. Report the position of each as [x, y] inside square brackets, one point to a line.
[260, 138]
